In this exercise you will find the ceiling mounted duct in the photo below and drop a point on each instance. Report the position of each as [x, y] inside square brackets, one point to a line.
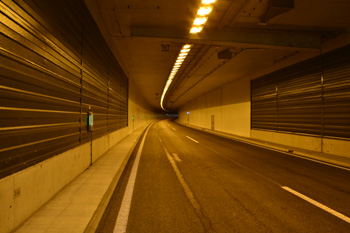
[278, 7]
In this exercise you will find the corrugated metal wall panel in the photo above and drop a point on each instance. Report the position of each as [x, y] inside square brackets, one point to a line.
[336, 89]
[40, 100]
[52, 68]
[312, 97]
[299, 97]
[264, 103]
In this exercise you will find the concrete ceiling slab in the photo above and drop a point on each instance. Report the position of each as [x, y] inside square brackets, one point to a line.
[140, 27]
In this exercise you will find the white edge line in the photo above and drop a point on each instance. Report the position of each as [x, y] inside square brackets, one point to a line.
[319, 205]
[192, 139]
[123, 215]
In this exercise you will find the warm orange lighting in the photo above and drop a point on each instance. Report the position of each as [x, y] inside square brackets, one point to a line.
[208, 2]
[204, 10]
[179, 60]
[200, 21]
[196, 29]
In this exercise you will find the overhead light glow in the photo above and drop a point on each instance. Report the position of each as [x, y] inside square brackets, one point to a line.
[204, 10]
[196, 29]
[201, 18]
[180, 59]
[200, 21]
[208, 2]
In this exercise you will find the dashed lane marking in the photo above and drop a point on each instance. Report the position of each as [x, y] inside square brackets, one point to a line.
[188, 192]
[319, 205]
[192, 139]
[176, 157]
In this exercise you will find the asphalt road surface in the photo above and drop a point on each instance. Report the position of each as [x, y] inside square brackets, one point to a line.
[190, 181]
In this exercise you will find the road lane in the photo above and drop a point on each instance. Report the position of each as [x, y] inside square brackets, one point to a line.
[231, 187]
[325, 184]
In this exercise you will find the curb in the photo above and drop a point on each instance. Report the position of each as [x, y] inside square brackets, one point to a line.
[284, 150]
[96, 218]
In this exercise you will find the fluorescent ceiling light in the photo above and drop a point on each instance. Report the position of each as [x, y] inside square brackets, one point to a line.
[208, 2]
[196, 29]
[204, 10]
[185, 50]
[179, 60]
[200, 21]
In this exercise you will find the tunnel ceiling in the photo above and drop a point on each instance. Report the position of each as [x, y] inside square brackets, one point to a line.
[251, 35]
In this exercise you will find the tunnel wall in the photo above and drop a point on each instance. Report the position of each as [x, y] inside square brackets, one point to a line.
[226, 109]
[231, 107]
[23, 193]
[55, 66]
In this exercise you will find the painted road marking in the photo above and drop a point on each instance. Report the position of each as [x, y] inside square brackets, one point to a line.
[173, 128]
[192, 139]
[188, 192]
[319, 205]
[176, 157]
[123, 215]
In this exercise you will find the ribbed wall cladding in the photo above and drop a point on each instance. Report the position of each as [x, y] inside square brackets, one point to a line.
[54, 67]
[311, 97]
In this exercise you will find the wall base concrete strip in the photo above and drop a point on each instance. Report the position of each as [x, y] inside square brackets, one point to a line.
[80, 205]
[322, 157]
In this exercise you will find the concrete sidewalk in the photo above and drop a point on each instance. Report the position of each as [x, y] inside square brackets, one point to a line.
[80, 205]
[307, 154]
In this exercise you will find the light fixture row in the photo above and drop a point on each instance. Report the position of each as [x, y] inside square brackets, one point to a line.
[202, 15]
[201, 18]
[180, 59]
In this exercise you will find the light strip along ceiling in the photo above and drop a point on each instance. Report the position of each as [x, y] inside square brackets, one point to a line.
[202, 16]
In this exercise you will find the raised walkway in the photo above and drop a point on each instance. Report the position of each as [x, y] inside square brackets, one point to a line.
[80, 205]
